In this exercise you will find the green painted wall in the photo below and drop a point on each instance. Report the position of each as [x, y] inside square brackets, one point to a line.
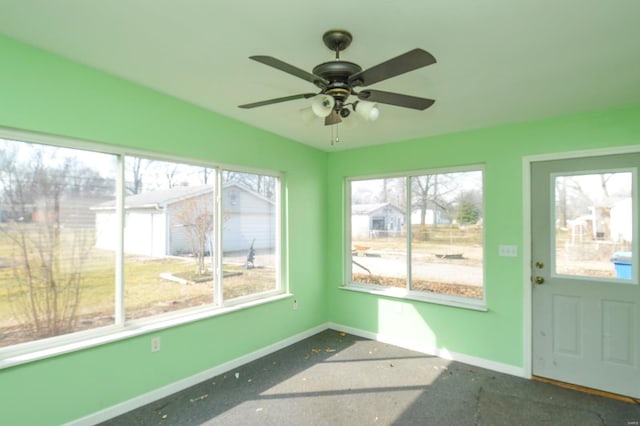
[45, 93]
[496, 335]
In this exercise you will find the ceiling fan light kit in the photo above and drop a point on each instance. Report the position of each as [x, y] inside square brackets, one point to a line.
[338, 79]
[322, 105]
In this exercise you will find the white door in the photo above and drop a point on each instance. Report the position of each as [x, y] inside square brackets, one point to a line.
[586, 297]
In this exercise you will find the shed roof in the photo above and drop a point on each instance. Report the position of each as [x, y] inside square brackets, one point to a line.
[165, 197]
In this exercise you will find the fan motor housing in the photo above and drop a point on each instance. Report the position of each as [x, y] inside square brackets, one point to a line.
[337, 73]
[337, 70]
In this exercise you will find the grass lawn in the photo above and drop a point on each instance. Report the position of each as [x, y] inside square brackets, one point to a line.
[146, 293]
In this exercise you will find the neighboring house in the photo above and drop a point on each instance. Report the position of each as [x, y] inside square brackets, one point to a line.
[72, 211]
[69, 211]
[608, 221]
[621, 221]
[592, 226]
[376, 220]
[440, 219]
[247, 216]
[156, 222]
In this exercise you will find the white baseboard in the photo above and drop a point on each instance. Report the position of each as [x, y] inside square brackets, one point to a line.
[431, 350]
[139, 401]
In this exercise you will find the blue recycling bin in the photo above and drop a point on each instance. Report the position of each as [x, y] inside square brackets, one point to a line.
[622, 263]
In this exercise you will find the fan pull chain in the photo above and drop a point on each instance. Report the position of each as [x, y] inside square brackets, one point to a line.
[335, 135]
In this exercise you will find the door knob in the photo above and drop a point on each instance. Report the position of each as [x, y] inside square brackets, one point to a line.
[539, 280]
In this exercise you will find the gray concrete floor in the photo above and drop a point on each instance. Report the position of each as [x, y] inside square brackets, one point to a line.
[334, 378]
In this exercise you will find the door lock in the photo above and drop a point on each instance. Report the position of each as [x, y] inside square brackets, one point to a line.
[539, 265]
[539, 280]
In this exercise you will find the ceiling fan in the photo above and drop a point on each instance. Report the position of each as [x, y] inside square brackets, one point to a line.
[338, 79]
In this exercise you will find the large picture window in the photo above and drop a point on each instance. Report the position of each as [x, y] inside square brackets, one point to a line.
[99, 241]
[420, 233]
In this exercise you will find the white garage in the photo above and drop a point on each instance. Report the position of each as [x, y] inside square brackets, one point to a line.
[160, 223]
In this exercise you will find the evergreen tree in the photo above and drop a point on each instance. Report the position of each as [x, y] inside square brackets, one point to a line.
[468, 213]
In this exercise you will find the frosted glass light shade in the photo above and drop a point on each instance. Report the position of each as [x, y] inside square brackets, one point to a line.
[367, 110]
[322, 105]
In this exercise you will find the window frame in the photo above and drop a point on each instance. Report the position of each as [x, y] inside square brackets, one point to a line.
[219, 240]
[553, 252]
[407, 292]
[121, 328]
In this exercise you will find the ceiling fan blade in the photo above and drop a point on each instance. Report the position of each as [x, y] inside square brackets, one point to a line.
[412, 60]
[290, 69]
[277, 100]
[396, 99]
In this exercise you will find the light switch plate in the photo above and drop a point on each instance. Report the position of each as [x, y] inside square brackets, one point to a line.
[508, 250]
[155, 344]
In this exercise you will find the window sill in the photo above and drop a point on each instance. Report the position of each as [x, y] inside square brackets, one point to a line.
[37, 350]
[399, 293]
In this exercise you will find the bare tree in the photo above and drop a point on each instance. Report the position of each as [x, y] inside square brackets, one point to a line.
[135, 169]
[420, 189]
[171, 173]
[48, 255]
[576, 194]
[196, 216]
[428, 190]
[393, 191]
[561, 202]
[205, 172]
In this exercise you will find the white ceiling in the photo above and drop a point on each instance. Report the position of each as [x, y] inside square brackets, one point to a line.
[499, 61]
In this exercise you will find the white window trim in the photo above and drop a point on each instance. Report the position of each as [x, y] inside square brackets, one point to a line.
[280, 287]
[123, 329]
[634, 226]
[54, 346]
[407, 293]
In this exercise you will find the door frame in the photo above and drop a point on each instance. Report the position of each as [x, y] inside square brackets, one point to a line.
[527, 308]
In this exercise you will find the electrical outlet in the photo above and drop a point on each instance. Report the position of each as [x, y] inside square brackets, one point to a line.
[295, 305]
[155, 344]
[508, 251]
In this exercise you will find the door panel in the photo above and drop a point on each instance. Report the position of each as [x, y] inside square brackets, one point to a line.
[618, 332]
[566, 325]
[586, 297]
